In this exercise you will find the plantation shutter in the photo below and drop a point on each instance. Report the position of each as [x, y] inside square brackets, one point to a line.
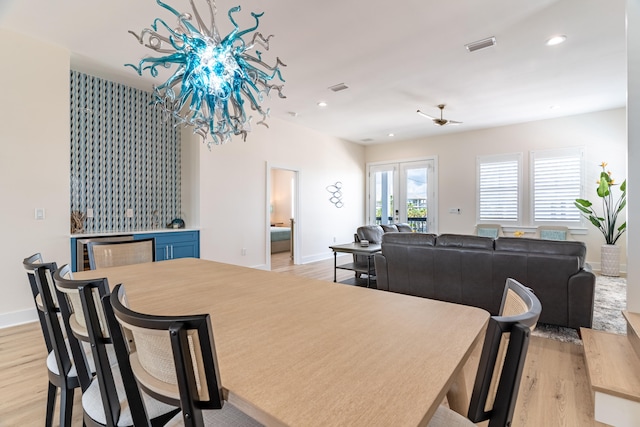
[557, 183]
[499, 180]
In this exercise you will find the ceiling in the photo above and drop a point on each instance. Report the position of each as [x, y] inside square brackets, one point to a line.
[395, 57]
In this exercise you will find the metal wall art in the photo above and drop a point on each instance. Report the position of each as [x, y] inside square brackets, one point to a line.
[215, 76]
[336, 194]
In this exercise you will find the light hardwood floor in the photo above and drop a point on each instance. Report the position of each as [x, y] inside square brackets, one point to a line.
[554, 389]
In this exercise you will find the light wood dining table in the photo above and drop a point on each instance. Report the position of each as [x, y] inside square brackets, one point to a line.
[302, 352]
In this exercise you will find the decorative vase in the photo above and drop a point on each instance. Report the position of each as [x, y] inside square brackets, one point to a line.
[610, 260]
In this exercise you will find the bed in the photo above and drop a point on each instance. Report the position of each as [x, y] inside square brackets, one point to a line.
[280, 239]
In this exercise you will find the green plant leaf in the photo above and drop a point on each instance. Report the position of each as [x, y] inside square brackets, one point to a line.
[623, 227]
[594, 221]
[582, 202]
[623, 186]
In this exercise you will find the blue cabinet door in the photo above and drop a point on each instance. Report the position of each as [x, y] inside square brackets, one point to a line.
[175, 244]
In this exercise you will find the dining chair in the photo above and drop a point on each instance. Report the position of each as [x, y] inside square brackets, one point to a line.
[495, 390]
[174, 359]
[68, 367]
[489, 230]
[113, 254]
[30, 264]
[113, 397]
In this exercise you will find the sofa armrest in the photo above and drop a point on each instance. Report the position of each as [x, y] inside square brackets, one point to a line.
[382, 278]
[581, 290]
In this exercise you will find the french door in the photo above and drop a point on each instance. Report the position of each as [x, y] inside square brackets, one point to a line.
[403, 192]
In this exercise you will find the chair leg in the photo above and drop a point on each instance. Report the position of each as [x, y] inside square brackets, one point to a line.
[51, 404]
[66, 407]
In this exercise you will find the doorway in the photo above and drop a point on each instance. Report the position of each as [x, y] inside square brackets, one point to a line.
[282, 217]
[403, 192]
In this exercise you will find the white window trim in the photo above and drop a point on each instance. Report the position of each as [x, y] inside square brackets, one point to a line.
[495, 159]
[556, 153]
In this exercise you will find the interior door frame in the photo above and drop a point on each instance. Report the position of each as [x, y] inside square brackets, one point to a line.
[432, 206]
[296, 212]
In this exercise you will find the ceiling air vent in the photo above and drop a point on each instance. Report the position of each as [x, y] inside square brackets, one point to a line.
[338, 87]
[481, 44]
[367, 140]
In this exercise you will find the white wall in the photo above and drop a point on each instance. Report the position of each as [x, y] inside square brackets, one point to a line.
[633, 105]
[233, 204]
[603, 134]
[34, 165]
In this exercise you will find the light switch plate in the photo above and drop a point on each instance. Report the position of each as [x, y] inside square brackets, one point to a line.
[39, 214]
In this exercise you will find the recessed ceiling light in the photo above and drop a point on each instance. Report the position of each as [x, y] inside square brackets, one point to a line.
[292, 113]
[322, 104]
[391, 134]
[556, 40]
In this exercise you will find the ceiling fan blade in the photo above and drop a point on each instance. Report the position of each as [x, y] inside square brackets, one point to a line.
[453, 122]
[426, 115]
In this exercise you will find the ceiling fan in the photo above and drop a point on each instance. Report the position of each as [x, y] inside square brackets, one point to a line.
[439, 121]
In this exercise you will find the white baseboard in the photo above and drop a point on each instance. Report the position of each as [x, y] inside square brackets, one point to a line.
[18, 318]
[595, 266]
[319, 257]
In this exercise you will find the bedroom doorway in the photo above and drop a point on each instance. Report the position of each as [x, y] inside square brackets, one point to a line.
[282, 217]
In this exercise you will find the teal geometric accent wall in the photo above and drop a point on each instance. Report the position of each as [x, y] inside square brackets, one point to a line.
[124, 155]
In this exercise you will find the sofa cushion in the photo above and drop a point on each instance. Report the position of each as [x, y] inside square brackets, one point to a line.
[545, 247]
[372, 233]
[410, 239]
[464, 241]
[410, 262]
[389, 228]
[404, 228]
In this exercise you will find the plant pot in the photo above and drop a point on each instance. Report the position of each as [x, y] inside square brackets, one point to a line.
[610, 260]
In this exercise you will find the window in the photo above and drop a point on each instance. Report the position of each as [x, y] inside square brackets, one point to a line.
[557, 178]
[499, 188]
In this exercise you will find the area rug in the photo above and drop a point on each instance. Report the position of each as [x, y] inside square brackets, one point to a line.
[609, 301]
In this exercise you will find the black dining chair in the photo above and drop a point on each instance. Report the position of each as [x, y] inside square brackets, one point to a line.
[113, 397]
[174, 359]
[112, 254]
[495, 390]
[68, 367]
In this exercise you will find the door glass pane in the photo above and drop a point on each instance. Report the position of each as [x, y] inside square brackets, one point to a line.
[416, 200]
[384, 197]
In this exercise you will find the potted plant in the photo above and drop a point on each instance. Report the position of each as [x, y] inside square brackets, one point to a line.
[610, 255]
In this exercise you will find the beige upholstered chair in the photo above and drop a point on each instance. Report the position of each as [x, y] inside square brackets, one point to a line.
[173, 359]
[113, 254]
[112, 397]
[489, 230]
[503, 354]
[550, 232]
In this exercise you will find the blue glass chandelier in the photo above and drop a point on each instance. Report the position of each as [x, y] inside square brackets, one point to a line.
[215, 76]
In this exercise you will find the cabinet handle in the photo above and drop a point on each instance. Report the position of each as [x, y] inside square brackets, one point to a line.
[166, 252]
[171, 251]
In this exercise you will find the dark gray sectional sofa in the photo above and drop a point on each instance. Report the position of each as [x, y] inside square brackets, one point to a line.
[473, 270]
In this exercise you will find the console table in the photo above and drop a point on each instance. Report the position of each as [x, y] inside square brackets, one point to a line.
[356, 249]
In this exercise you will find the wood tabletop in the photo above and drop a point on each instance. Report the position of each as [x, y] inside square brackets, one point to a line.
[301, 352]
